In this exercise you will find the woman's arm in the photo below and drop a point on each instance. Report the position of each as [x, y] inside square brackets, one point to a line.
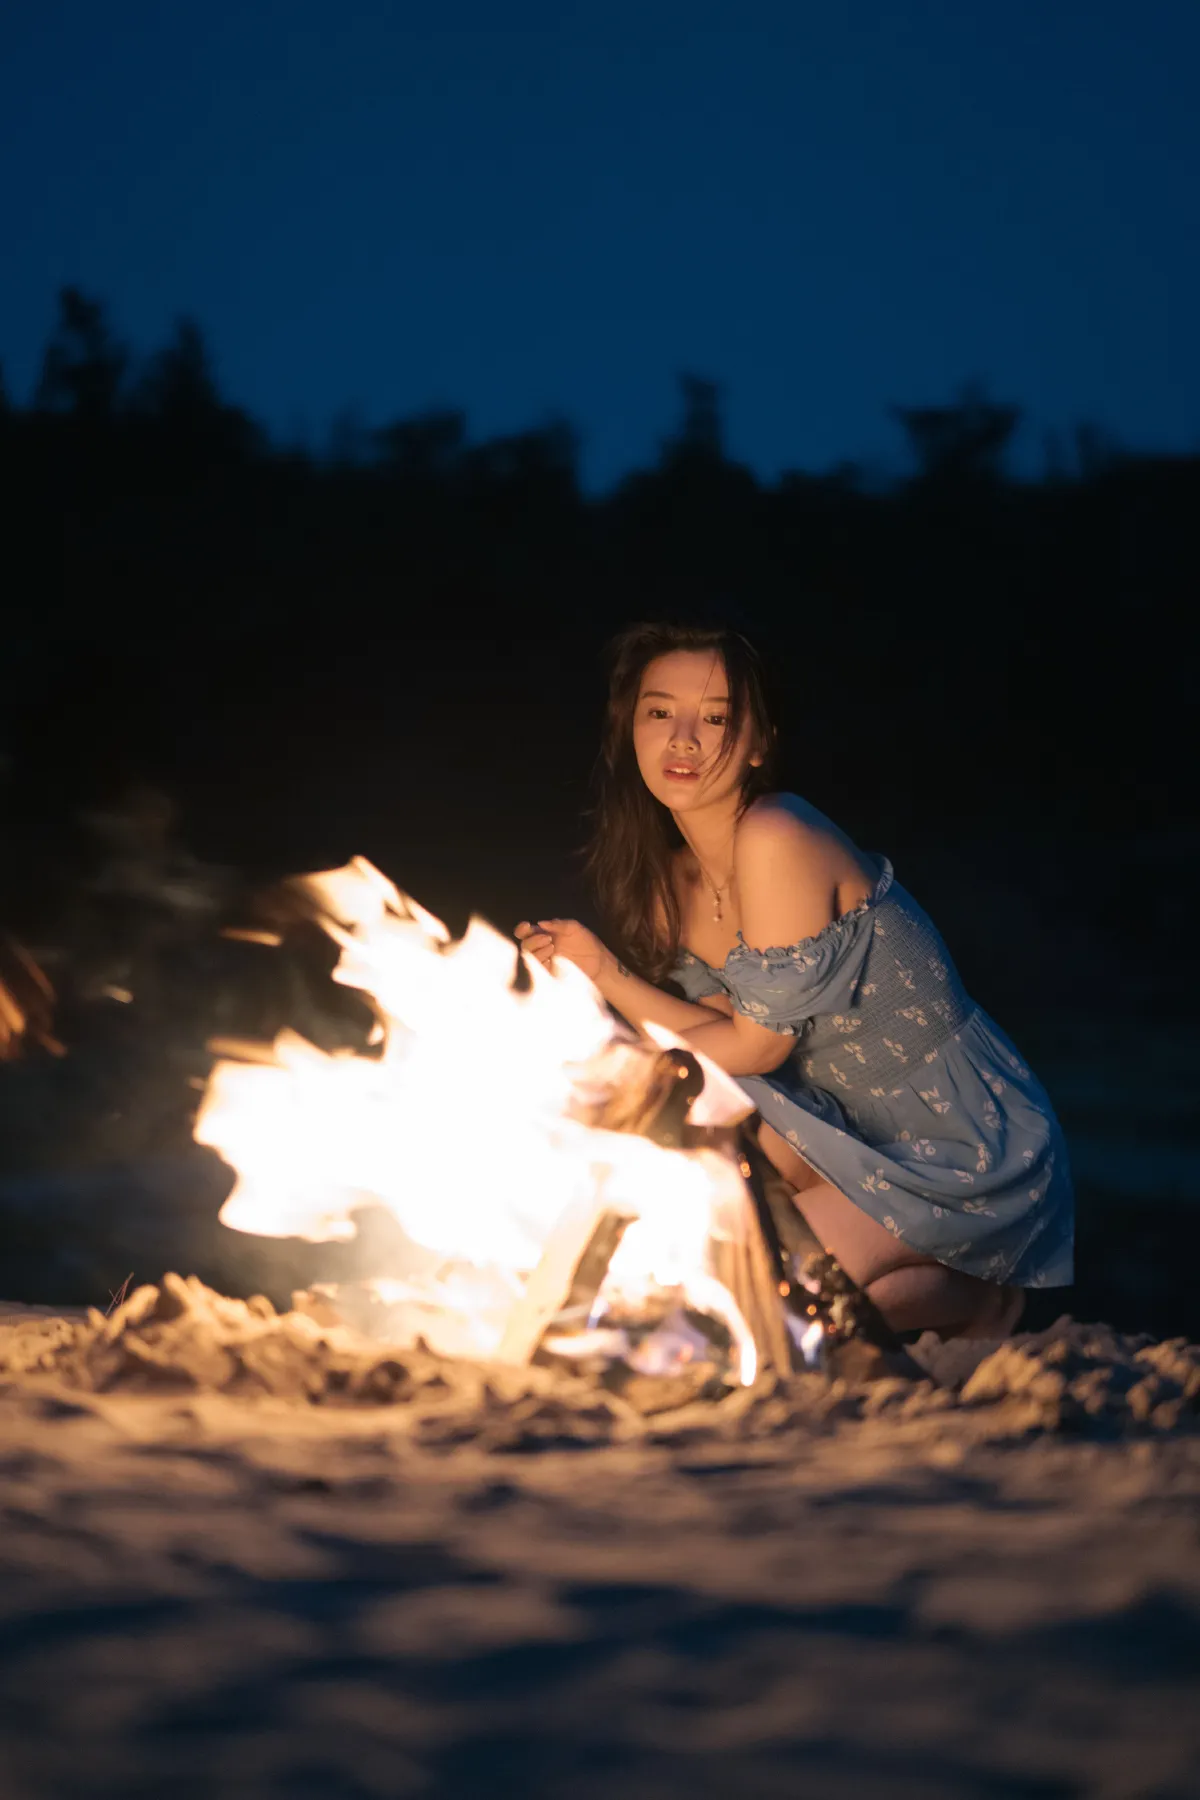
[740, 1046]
[737, 1044]
[644, 1004]
[636, 1000]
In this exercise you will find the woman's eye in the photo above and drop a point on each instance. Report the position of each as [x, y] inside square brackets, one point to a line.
[658, 712]
[718, 718]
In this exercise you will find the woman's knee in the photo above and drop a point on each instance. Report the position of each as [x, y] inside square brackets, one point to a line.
[931, 1297]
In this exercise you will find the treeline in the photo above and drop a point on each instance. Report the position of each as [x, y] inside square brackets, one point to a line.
[190, 600]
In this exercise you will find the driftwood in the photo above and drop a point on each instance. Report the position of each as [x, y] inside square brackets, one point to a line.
[747, 1268]
[568, 1276]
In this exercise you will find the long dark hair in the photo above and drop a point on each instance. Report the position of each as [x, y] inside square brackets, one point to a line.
[634, 835]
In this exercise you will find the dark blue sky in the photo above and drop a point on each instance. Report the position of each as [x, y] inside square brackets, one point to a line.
[544, 206]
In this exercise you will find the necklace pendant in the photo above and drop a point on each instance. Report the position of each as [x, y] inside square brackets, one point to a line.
[717, 914]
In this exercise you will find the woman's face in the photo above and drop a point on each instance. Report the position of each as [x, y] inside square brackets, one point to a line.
[679, 732]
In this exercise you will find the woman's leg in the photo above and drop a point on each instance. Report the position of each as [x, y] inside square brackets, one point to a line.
[931, 1297]
[913, 1292]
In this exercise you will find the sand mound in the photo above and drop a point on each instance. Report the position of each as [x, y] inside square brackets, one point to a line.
[181, 1336]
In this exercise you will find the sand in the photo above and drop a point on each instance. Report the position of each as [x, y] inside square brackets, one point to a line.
[248, 1555]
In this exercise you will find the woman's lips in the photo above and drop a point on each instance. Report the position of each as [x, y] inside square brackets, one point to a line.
[680, 773]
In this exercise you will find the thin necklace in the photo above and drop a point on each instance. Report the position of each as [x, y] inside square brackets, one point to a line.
[716, 891]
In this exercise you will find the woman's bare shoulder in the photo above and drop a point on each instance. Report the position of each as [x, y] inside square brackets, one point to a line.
[796, 870]
[788, 817]
[788, 825]
[781, 807]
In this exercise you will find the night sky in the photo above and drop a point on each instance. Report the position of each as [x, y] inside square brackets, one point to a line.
[550, 208]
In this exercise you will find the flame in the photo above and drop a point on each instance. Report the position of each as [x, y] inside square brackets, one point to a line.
[26, 1003]
[468, 1127]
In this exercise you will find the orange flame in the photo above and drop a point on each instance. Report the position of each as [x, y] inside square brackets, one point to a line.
[468, 1129]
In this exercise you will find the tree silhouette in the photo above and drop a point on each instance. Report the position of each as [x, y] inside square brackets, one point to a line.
[1097, 450]
[544, 458]
[348, 444]
[963, 442]
[431, 444]
[178, 393]
[192, 556]
[700, 434]
[179, 382]
[84, 366]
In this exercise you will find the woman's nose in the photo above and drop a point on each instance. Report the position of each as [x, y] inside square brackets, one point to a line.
[683, 737]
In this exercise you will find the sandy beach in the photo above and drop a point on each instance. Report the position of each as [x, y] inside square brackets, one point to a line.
[240, 1558]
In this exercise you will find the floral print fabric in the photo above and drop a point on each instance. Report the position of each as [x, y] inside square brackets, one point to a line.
[903, 1094]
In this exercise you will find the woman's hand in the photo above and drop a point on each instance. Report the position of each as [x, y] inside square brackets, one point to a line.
[567, 938]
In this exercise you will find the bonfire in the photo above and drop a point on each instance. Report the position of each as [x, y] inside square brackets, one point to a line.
[564, 1191]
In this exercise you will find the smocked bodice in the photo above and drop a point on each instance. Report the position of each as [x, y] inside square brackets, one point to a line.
[872, 997]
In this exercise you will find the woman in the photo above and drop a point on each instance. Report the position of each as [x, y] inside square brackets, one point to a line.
[921, 1150]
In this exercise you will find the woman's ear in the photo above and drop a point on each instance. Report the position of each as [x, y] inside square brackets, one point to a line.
[756, 760]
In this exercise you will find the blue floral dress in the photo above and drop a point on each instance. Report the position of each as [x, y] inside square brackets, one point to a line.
[904, 1094]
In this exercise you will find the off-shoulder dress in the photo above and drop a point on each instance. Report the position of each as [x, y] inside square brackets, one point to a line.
[902, 1093]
